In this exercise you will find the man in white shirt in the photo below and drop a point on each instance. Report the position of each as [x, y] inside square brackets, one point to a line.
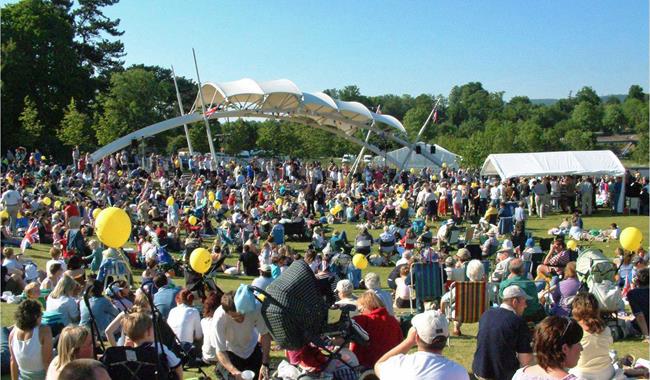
[429, 333]
[265, 278]
[242, 341]
[11, 200]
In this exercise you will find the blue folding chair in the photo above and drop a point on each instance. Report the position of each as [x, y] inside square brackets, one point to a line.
[427, 281]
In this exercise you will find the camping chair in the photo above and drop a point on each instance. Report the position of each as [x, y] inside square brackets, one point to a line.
[454, 237]
[426, 279]
[115, 269]
[471, 301]
[469, 235]
[140, 363]
[545, 244]
[536, 259]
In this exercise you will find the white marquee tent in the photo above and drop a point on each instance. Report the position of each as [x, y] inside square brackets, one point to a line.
[591, 163]
[417, 161]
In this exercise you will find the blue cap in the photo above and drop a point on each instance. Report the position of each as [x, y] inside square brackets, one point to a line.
[530, 242]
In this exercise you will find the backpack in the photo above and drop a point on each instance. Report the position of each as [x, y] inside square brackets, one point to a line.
[608, 295]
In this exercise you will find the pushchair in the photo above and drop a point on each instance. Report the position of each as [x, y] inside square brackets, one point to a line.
[295, 309]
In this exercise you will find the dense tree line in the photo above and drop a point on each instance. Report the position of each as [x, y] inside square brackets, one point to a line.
[63, 84]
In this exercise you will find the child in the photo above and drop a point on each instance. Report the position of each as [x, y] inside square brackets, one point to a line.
[152, 269]
[95, 258]
[403, 291]
[32, 291]
[138, 328]
[54, 274]
[55, 254]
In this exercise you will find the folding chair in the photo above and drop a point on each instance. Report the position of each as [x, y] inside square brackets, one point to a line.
[426, 279]
[454, 237]
[471, 301]
[545, 244]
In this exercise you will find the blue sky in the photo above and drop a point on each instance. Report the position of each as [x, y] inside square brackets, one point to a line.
[542, 49]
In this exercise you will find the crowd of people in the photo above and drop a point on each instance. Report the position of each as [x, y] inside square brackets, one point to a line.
[249, 210]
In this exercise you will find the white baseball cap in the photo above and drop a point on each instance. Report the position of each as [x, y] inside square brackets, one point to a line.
[430, 324]
[513, 291]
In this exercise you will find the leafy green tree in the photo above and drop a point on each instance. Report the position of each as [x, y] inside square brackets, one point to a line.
[134, 100]
[636, 92]
[39, 60]
[576, 139]
[613, 119]
[239, 135]
[587, 116]
[32, 127]
[642, 151]
[472, 101]
[75, 128]
[529, 137]
[587, 94]
[413, 121]
[636, 113]
[518, 108]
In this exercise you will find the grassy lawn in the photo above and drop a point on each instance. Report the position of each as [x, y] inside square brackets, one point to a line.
[462, 348]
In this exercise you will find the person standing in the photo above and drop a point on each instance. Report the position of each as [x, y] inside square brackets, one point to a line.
[11, 200]
[429, 334]
[586, 196]
[540, 191]
[75, 156]
[503, 340]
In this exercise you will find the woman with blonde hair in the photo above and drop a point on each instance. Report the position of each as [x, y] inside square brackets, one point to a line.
[382, 328]
[63, 300]
[75, 342]
[595, 362]
[140, 304]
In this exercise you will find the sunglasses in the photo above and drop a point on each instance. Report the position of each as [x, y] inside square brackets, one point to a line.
[570, 321]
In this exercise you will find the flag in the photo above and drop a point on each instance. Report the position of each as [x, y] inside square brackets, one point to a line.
[211, 111]
[378, 110]
[435, 116]
[627, 286]
[31, 235]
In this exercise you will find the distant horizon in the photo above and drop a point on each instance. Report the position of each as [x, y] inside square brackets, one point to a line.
[540, 50]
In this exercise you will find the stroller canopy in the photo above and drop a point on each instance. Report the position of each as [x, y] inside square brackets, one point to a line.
[593, 266]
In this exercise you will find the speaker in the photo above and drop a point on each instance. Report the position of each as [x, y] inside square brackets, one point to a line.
[432, 149]
[295, 311]
[418, 149]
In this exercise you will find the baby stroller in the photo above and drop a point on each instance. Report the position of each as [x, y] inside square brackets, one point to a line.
[295, 309]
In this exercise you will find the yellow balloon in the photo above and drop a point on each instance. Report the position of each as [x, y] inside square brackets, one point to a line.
[359, 261]
[572, 245]
[412, 170]
[19, 215]
[113, 227]
[405, 204]
[170, 201]
[57, 204]
[444, 165]
[211, 196]
[631, 238]
[47, 201]
[96, 212]
[4, 214]
[119, 173]
[192, 219]
[200, 260]
[278, 201]
[216, 205]
[186, 210]
[434, 177]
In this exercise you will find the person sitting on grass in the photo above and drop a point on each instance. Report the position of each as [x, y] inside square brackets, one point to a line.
[75, 342]
[138, 327]
[638, 299]
[83, 369]
[30, 343]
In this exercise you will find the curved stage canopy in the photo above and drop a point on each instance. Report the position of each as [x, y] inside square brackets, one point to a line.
[282, 100]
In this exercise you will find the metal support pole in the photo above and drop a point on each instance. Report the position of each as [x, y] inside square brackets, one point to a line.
[417, 138]
[357, 162]
[180, 107]
[205, 119]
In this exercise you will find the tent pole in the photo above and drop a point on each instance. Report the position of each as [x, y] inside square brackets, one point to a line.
[417, 138]
[205, 119]
[357, 162]
[180, 107]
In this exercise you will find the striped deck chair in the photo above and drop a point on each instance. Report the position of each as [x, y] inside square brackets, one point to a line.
[471, 301]
[427, 281]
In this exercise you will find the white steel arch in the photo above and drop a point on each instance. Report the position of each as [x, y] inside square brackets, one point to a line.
[277, 99]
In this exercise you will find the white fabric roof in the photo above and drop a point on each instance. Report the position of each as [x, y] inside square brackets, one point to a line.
[596, 162]
[418, 161]
[284, 96]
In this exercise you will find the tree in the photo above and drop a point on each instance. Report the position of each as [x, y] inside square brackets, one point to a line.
[239, 135]
[134, 100]
[39, 61]
[31, 125]
[636, 113]
[518, 108]
[576, 139]
[636, 92]
[587, 94]
[75, 128]
[413, 121]
[613, 119]
[529, 137]
[587, 116]
[472, 101]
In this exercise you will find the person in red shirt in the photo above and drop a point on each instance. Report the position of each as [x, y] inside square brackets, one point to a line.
[382, 328]
[70, 210]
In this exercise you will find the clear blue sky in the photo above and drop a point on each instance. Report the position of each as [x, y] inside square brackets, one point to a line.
[542, 49]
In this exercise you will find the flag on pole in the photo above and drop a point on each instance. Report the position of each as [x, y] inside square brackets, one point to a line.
[211, 111]
[435, 116]
[378, 110]
[31, 235]
[627, 286]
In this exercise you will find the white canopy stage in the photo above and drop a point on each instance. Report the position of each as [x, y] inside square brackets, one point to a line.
[281, 100]
[591, 163]
[417, 161]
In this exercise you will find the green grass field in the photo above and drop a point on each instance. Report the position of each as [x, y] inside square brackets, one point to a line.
[462, 348]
